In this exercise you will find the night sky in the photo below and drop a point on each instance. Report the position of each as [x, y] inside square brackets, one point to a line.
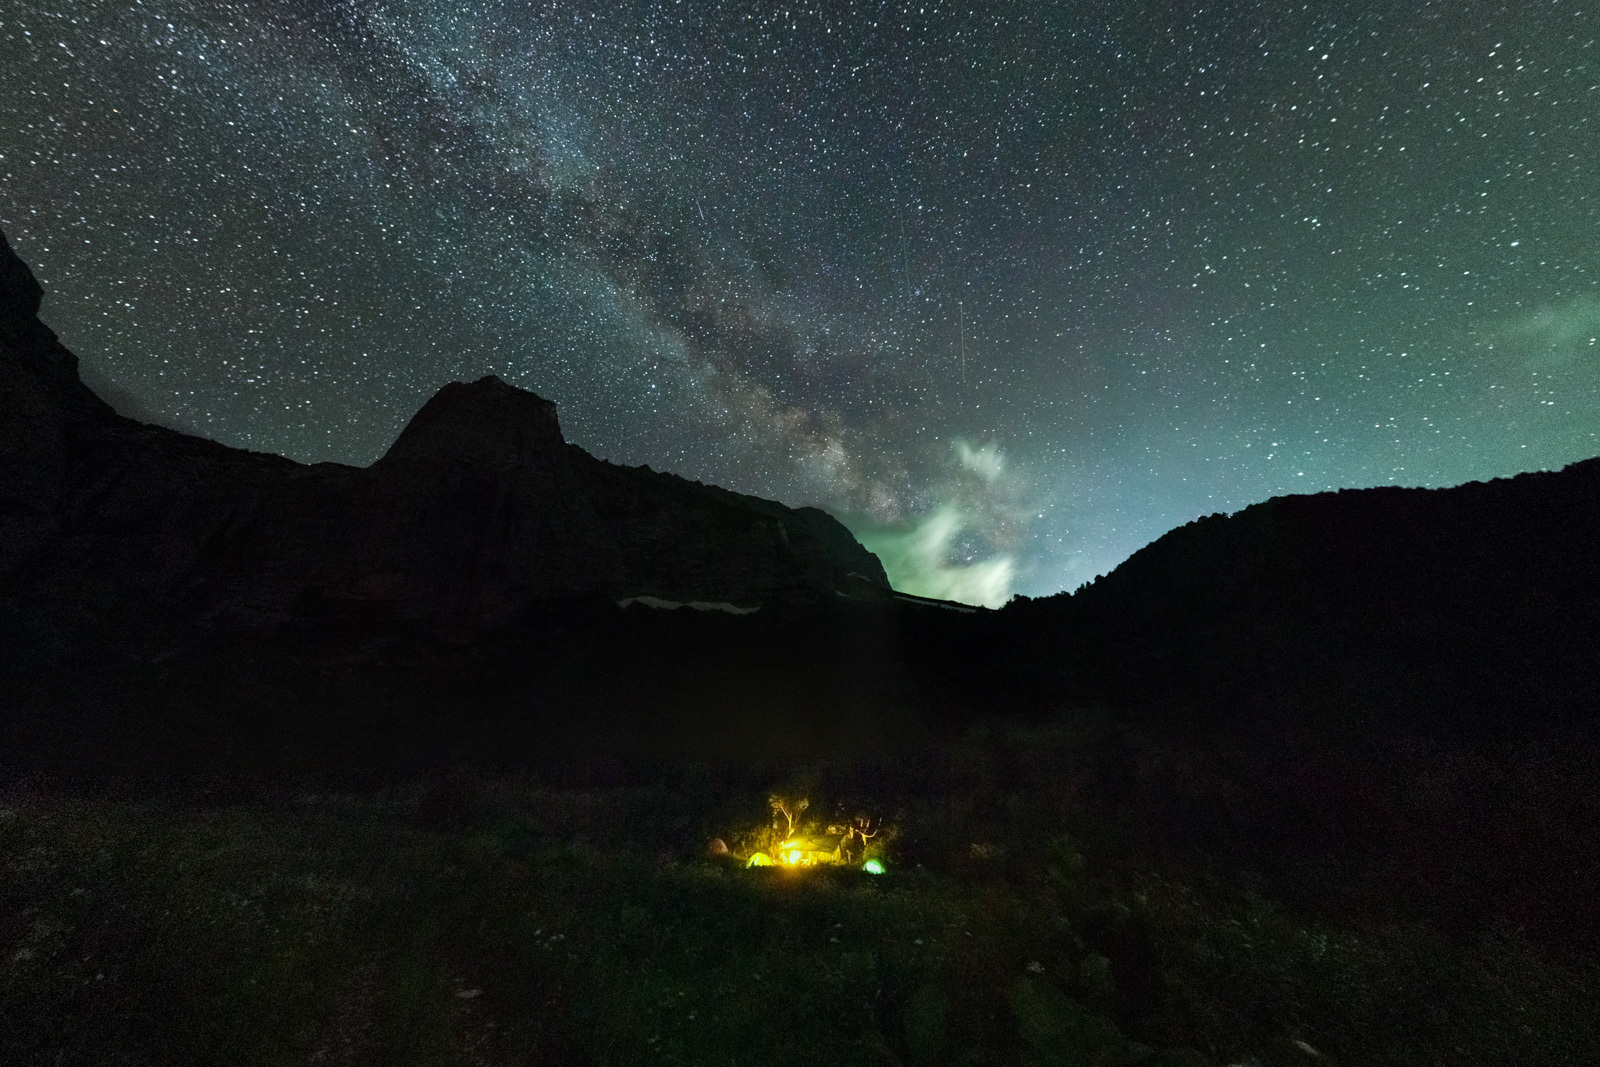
[1012, 288]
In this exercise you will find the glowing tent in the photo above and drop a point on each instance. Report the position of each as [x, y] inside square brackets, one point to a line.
[810, 850]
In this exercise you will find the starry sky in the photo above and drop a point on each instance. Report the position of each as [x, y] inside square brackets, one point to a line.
[1011, 288]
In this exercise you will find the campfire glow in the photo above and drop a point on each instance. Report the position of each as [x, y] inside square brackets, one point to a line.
[793, 842]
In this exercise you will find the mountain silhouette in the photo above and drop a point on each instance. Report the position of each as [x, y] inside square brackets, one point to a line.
[479, 509]
[1480, 600]
[483, 569]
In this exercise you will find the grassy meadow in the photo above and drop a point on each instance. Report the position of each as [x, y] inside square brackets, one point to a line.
[1028, 916]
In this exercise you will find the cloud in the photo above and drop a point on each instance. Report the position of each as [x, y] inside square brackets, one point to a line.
[986, 461]
[1558, 333]
[921, 560]
[963, 546]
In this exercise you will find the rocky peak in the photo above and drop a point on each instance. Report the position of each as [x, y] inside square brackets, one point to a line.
[486, 423]
[32, 362]
[478, 510]
[20, 293]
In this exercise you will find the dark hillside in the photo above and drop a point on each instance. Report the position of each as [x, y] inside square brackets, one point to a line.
[1459, 607]
[478, 510]
[171, 608]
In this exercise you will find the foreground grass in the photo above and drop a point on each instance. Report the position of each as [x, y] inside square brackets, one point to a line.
[530, 926]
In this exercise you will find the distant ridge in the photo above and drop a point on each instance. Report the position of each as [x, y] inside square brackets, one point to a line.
[1482, 599]
[1470, 605]
[479, 509]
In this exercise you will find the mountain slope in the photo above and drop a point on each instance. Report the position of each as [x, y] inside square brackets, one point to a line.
[1441, 601]
[479, 509]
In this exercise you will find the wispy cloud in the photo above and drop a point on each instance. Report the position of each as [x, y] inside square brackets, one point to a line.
[923, 560]
[986, 461]
[964, 546]
[1558, 333]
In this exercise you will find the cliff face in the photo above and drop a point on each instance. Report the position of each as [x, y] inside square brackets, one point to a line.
[478, 509]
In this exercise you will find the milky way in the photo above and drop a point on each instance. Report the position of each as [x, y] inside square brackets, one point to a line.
[1011, 288]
